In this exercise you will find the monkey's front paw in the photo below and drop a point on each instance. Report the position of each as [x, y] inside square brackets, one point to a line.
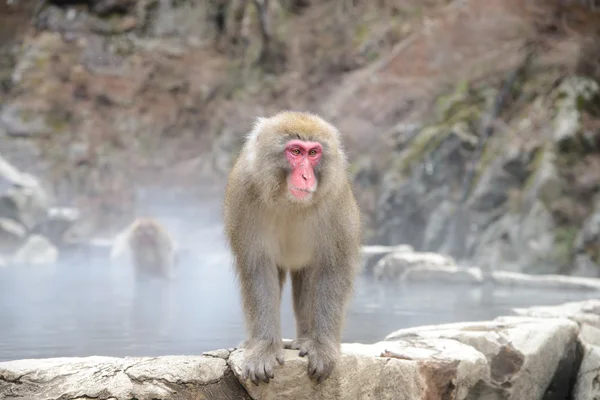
[321, 359]
[260, 359]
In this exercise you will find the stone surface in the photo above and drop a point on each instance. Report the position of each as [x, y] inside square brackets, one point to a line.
[22, 197]
[583, 312]
[170, 377]
[524, 356]
[37, 250]
[587, 315]
[410, 369]
[428, 267]
[395, 264]
[372, 254]
[56, 224]
[12, 235]
[544, 353]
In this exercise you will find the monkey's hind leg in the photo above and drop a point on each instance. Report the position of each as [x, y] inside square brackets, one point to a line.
[259, 281]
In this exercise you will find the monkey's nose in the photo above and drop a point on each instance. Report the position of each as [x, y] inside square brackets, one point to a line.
[304, 177]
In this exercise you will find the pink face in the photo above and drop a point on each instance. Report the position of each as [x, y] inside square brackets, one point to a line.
[303, 157]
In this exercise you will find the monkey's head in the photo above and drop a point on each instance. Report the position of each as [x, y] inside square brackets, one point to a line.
[145, 231]
[295, 156]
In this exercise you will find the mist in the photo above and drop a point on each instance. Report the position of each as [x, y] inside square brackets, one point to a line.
[81, 306]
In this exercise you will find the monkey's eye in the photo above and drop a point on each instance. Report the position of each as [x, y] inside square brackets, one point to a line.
[313, 152]
[296, 152]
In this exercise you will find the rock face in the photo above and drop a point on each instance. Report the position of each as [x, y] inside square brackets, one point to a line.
[406, 265]
[372, 254]
[544, 353]
[22, 198]
[522, 208]
[176, 377]
[587, 315]
[37, 250]
[30, 229]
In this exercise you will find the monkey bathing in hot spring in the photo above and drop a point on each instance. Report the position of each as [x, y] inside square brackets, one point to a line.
[289, 207]
[147, 247]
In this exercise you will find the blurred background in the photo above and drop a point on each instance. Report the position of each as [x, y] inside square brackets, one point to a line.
[472, 127]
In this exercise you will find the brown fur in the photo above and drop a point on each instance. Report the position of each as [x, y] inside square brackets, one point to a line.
[148, 247]
[270, 233]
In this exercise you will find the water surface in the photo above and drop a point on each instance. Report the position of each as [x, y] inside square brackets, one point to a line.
[81, 308]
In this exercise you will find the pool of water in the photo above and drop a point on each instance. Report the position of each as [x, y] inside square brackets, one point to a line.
[81, 307]
[82, 310]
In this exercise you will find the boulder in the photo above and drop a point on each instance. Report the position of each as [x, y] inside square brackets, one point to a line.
[37, 250]
[542, 353]
[527, 358]
[509, 358]
[170, 377]
[428, 267]
[56, 223]
[22, 197]
[587, 315]
[586, 387]
[587, 245]
[583, 312]
[408, 369]
[372, 254]
[12, 235]
[573, 91]
[396, 264]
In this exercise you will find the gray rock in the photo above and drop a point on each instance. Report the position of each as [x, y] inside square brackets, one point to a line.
[587, 315]
[583, 312]
[372, 254]
[518, 242]
[22, 197]
[585, 267]
[396, 264]
[105, 7]
[12, 234]
[408, 369]
[428, 267]
[57, 222]
[573, 90]
[19, 121]
[74, 22]
[589, 234]
[37, 250]
[509, 358]
[526, 358]
[170, 377]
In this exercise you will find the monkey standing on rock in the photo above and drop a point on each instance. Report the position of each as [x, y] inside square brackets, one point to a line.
[289, 206]
[147, 247]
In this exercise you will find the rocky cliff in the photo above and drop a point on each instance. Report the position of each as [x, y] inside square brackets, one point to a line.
[472, 126]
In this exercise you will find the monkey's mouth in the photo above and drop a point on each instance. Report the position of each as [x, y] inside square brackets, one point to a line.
[300, 193]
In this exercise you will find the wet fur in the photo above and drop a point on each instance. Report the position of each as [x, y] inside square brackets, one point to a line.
[271, 234]
[147, 247]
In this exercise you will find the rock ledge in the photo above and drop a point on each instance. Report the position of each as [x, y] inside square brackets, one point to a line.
[538, 354]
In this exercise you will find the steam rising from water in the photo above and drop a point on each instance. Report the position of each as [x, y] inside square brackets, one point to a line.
[79, 308]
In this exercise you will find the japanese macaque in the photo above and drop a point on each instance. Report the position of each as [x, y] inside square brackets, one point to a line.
[147, 248]
[289, 207]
